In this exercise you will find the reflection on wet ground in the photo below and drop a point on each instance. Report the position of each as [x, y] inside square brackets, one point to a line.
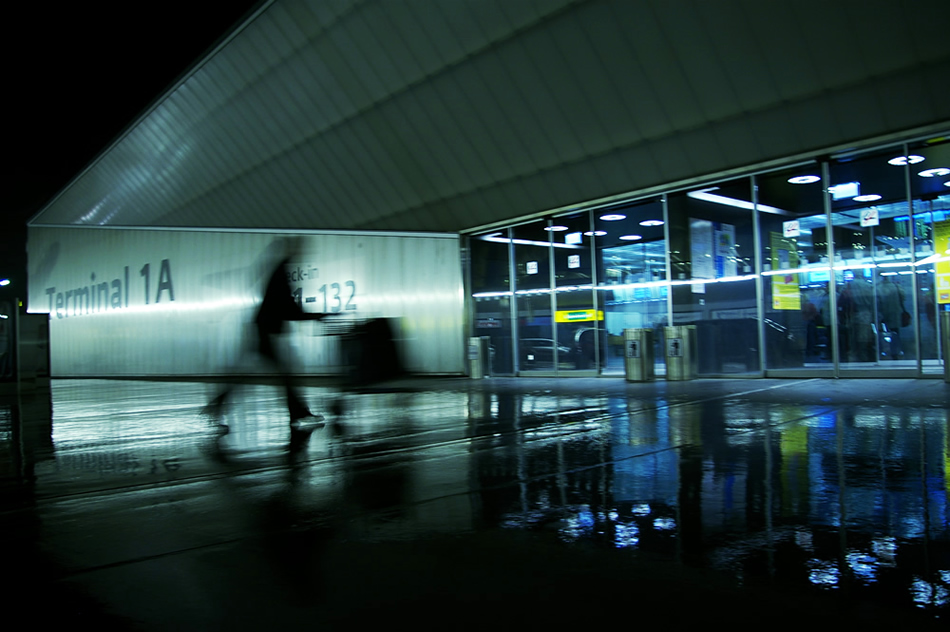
[499, 501]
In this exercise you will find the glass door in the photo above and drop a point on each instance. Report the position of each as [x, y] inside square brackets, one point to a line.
[872, 236]
[491, 297]
[712, 255]
[798, 313]
[578, 318]
[631, 252]
[537, 350]
[929, 175]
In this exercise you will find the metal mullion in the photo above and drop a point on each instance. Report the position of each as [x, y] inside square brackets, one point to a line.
[913, 267]
[669, 263]
[595, 296]
[552, 300]
[757, 263]
[513, 305]
[832, 277]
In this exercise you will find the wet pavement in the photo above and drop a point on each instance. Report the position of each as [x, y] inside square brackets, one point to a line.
[521, 503]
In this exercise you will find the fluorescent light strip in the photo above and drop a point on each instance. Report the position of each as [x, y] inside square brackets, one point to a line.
[495, 238]
[768, 273]
[855, 266]
[632, 286]
[893, 264]
[732, 279]
[706, 196]
[934, 258]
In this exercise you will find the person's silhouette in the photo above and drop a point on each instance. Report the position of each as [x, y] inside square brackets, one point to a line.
[278, 307]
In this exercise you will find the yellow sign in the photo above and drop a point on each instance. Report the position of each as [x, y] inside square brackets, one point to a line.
[942, 247]
[786, 293]
[578, 315]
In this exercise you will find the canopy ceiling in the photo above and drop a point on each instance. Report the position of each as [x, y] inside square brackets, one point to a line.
[442, 115]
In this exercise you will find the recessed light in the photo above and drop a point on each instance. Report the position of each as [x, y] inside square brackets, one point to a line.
[631, 237]
[804, 179]
[930, 173]
[613, 217]
[555, 228]
[652, 222]
[870, 197]
[596, 233]
[900, 161]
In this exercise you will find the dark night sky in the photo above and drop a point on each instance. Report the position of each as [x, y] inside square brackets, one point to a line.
[78, 75]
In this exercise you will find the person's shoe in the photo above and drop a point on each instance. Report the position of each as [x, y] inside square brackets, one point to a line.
[309, 421]
[298, 438]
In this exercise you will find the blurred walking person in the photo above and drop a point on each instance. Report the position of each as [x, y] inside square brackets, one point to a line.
[278, 307]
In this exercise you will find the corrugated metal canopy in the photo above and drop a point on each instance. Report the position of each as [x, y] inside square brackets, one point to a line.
[447, 114]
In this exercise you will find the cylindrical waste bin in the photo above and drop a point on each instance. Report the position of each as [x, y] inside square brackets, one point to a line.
[681, 359]
[945, 343]
[479, 358]
[638, 355]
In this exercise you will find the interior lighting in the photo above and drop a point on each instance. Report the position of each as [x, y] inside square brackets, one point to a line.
[499, 239]
[652, 222]
[630, 237]
[556, 228]
[870, 197]
[707, 196]
[900, 161]
[934, 258]
[613, 217]
[930, 173]
[845, 190]
[4, 282]
[596, 233]
[804, 179]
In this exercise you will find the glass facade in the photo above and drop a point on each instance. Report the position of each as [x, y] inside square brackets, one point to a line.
[838, 266]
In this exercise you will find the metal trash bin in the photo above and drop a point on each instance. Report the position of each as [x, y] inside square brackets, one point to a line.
[945, 343]
[638, 355]
[681, 358]
[479, 357]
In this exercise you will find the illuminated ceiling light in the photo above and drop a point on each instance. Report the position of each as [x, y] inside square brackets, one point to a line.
[613, 217]
[870, 197]
[804, 179]
[556, 228]
[596, 233]
[930, 173]
[651, 222]
[630, 237]
[4, 282]
[947, 183]
[900, 161]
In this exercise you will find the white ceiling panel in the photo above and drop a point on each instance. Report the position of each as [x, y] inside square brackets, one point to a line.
[449, 114]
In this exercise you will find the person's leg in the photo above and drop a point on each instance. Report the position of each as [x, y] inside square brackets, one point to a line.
[301, 421]
[296, 406]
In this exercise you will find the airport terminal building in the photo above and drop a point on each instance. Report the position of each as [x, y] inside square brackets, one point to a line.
[542, 175]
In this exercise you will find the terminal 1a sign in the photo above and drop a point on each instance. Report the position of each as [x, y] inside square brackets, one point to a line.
[578, 315]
